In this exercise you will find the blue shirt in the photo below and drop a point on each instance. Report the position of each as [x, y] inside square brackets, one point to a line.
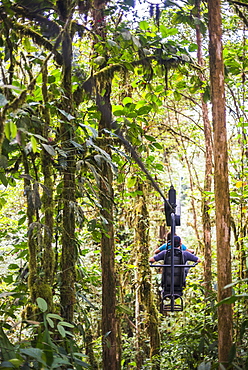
[168, 246]
[187, 256]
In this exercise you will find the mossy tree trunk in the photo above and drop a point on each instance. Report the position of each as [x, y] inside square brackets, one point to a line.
[111, 359]
[47, 198]
[110, 344]
[146, 312]
[221, 185]
[110, 348]
[208, 169]
[68, 256]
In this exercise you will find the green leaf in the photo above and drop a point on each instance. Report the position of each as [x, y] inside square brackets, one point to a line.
[165, 32]
[232, 299]
[119, 112]
[50, 321]
[159, 166]
[3, 179]
[150, 138]
[113, 44]
[94, 131]
[144, 25]
[35, 353]
[50, 149]
[7, 348]
[193, 47]
[67, 115]
[7, 130]
[81, 363]
[157, 145]
[51, 79]
[127, 100]
[144, 110]
[41, 304]
[57, 362]
[61, 331]
[3, 161]
[13, 266]
[22, 220]
[13, 129]
[131, 181]
[34, 144]
[54, 316]
[177, 95]
[5, 365]
[27, 44]
[67, 324]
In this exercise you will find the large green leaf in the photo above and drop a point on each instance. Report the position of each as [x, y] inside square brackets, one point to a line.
[41, 304]
[7, 348]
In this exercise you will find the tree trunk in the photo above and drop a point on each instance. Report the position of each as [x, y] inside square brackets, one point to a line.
[109, 325]
[110, 343]
[110, 348]
[145, 305]
[47, 199]
[68, 256]
[221, 185]
[208, 171]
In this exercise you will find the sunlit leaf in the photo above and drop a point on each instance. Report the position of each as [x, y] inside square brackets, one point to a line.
[131, 181]
[34, 144]
[127, 100]
[7, 130]
[144, 25]
[13, 129]
[66, 114]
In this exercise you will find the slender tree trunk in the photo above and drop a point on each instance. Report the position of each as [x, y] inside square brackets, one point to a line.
[110, 347]
[208, 171]
[109, 321]
[110, 341]
[146, 306]
[47, 199]
[221, 185]
[68, 257]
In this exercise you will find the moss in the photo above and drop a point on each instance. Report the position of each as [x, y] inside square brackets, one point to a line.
[43, 290]
[30, 312]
